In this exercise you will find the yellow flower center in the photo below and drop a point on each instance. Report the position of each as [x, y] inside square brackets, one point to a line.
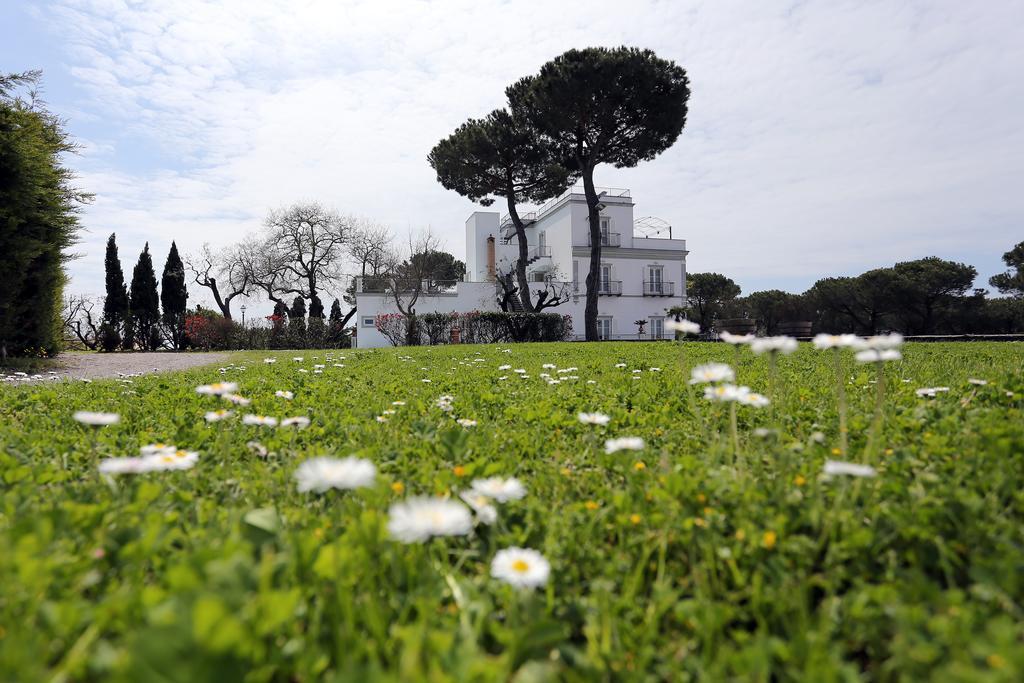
[520, 566]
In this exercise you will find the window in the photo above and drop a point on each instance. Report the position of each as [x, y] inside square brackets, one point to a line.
[604, 328]
[655, 280]
[657, 328]
[369, 321]
[575, 273]
[606, 276]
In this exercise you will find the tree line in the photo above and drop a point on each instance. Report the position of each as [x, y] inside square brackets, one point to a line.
[920, 297]
[584, 108]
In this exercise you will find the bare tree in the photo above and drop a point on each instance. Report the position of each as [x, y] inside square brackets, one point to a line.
[408, 279]
[370, 249]
[305, 247]
[227, 265]
[548, 295]
[79, 318]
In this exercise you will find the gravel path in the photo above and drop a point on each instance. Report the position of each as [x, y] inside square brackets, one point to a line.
[101, 365]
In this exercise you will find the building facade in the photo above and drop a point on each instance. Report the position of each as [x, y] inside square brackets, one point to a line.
[642, 271]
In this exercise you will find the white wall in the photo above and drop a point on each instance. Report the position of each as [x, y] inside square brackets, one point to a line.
[468, 296]
[479, 226]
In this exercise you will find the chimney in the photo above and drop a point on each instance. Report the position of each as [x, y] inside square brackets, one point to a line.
[490, 258]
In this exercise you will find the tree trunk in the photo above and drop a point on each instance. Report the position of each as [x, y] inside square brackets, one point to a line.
[594, 272]
[524, 286]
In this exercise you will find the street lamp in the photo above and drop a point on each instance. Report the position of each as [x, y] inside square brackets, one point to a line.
[243, 315]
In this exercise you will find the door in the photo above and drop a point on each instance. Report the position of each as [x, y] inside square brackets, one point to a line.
[605, 226]
[606, 278]
[604, 328]
[654, 280]
[657, 328]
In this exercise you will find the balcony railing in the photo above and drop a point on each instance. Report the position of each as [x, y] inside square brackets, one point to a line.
[659, 288]
[608, 239]
[609, 287]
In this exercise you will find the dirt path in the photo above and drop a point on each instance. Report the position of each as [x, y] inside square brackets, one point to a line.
[102, 365]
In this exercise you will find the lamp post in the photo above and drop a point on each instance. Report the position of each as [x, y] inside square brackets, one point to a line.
[243, 315]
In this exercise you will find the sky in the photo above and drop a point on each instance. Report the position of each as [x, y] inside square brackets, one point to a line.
[823, 138]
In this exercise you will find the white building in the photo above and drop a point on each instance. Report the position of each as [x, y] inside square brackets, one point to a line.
[643, 269]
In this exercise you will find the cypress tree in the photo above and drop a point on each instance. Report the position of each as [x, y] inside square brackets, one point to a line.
[174, 295]
[316, 307]
[145, 302]
[335, 317]
[38, 219]
[298, 311]
[115, 306]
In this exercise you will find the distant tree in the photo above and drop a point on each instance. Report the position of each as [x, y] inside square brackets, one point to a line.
[316, 308]
[145, 302]
[224, 273]
[706, 293]
[38, 218]
[773, 306]
[298, 310]
[502, 156]
[596, 106]
[280, 310]
[858, 304]
[116, 314]
[436, 266]
[174, 296]
[80, 321]
[1012, 281]
[927, 287]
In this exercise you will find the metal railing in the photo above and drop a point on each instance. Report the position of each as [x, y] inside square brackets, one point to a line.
[608, 239]
[539, 252]
[609, 287]
[383, 285]
[659, 288]
[506, 224]
[575, 190]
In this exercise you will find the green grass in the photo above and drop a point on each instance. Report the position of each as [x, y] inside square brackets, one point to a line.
[698, 564]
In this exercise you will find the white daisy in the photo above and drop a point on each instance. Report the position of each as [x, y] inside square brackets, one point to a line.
[624, 443]
[287, 395]
[481, 504]
[217, 415]
[877, 355]
[712, 372]
[834, 467]
[593, 418]
[178, 460]
[752, 399]
[217, 389]
[322, 474]
[521, 567]
[261, 420]
[269, 361]
[236, 399]
[418, 519]
[782, 344]
[299, 422]
[157, 449]
[881, 342]
[501, 490]
[724, 392]
[466, 422]
[96, 419]
[735, 339]
[504, 367]
[835, 341]
[682, 326]
[978, 382]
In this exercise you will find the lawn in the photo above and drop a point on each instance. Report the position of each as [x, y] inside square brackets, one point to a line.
[687, 559]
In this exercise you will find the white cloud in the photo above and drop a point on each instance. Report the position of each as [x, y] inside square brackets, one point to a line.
[823, 137]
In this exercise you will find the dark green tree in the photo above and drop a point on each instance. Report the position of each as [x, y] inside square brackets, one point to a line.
[174, 296]
[38, 219]
[1012, 281]
[706, 294]
[927, 288]
[594, 106]
[860, 304]
[773, 306]
[115, 305]
[502, 156]
[316, 307]
[298, 310]
[280, 310]
[145, 302]
[435, 266]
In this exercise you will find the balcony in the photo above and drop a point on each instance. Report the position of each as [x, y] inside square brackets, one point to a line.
[609, 288]
[659, 288]
[608, 239]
